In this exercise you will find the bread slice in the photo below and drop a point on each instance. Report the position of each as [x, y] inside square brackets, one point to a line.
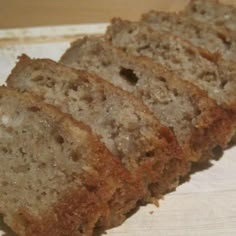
[212, 12]
[198, 123]
[216, 40]
[210, 73]
[56, 178]
[145, 147]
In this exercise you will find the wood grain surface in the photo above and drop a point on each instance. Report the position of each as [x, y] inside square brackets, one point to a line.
[25, 13]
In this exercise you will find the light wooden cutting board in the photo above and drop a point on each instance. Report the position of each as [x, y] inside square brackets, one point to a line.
[205, 206]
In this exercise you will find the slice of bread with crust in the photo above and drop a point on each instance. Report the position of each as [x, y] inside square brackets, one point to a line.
[198, 123]
[212, 12]
[215, 39]
[210, 73]
[56, 177]
[130, 131]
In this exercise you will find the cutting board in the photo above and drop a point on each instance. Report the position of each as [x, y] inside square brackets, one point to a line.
[204, 206]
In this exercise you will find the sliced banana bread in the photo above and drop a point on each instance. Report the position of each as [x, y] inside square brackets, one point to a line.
[56, 178]
[212, 12]
[124, 123]
[197, 121]
[214, 39]
[210, 73]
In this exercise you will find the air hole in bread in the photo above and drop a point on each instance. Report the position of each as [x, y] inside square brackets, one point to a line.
[4, 150]
[223, 83]
[38, 78]
[91, 188]
[208, 76]
[74, 86]
[129, 75]
[150, 153]
[203, 12]
[59, 139]
[130, 31]
[50, 83]
[34, 109]
[194, 8]
[175, 92]
[80, 229]
[74, 156]
[162, 79]
[22, 152]
[42, 165]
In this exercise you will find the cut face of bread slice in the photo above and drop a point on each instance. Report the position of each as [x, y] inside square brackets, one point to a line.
[144, 146]
[212, 12]
[56, 178]
[194, 117]
[212, 74]
[216, 40]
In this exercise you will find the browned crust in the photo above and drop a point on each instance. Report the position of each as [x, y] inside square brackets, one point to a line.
[100, 191]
